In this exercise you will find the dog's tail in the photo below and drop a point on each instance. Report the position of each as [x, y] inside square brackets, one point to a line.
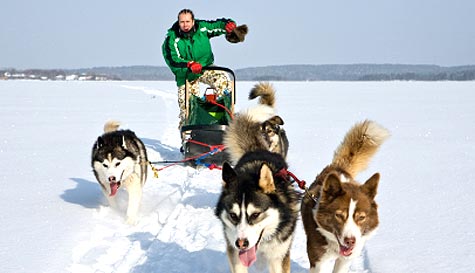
[361, 142]
[244, 133]
[111, 126]
[265, 91]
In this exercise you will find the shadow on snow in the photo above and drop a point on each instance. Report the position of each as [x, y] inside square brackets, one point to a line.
[86, 193]
[167, 152]
[172, 258]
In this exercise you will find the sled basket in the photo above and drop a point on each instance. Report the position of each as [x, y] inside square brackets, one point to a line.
[207, 118]
[203, 112]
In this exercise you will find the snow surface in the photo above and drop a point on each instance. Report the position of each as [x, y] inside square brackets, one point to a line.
[55, 219]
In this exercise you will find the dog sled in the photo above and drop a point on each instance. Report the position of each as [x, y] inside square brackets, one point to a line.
[207, 117]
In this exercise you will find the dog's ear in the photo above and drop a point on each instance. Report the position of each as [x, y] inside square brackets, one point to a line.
[124, 145]
[99, 142]
[237, 35]
[272, 125]
[276, 120]
[228, 174]
[332, 186]
[266, 179]
[370, 187]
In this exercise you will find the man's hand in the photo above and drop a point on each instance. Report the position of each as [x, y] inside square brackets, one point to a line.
[195, 67]
[230, 26]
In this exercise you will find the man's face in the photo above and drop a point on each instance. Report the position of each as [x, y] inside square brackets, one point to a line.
[185, 22]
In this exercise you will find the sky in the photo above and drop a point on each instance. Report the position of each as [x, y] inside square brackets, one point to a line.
[71, 34]
[54, 217]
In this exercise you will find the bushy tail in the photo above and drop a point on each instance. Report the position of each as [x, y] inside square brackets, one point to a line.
[244, 133]
[111, 126]
[361, 142]
[265, 91]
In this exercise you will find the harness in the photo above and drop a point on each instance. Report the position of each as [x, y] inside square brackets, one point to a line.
[290, 177]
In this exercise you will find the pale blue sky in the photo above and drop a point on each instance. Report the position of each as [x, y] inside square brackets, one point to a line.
[90, 33]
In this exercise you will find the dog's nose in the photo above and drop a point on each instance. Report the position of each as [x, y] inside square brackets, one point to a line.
[350, 241]
[242, 243]
[112, 179]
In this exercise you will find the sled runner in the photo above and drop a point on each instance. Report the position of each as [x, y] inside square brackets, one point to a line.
[207, 117]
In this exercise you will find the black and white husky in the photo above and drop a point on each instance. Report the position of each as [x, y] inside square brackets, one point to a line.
[258, 206]
[119, 158]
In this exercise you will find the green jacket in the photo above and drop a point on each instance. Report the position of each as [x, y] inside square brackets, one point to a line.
[179, 48]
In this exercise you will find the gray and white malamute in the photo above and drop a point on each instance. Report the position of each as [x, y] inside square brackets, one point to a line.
[119, 158]
[258, 206]
[257, 128]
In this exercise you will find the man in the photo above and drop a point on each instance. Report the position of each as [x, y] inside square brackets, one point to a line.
[187, 49]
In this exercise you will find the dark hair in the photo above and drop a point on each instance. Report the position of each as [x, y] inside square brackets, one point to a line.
[185, 11]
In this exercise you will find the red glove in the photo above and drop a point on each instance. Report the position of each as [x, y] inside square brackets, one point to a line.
[230, 26]
[194, 67]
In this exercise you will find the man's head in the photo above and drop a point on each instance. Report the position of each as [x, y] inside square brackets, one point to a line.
[186, 20]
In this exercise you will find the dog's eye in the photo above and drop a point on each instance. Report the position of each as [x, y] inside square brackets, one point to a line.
[340, 216]
[105, 165]
[254, 216]
[233, 217]
[117, 164]
[360, 217]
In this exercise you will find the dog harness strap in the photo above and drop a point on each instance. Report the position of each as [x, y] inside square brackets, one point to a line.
[301, 183]
[284, 174]
[213, 148]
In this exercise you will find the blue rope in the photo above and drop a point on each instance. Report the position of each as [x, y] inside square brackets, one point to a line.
[199, 159]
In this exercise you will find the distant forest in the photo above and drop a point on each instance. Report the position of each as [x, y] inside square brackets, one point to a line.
[349, 72]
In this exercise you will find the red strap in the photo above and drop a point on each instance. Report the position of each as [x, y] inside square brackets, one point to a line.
[214, 166]
[213, 101]
[284, 173]
[217, 147]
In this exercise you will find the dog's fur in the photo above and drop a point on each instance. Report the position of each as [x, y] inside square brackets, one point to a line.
[342, 214]
[258, 209]
[119, 158]
[260, 125]
[258, 206]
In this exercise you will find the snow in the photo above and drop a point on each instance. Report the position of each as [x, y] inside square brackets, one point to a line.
[55, 219]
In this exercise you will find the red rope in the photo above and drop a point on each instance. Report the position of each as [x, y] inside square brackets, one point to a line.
[217, 147]
[212, 148]
[214, 166]
[284, 173]
[212, 99]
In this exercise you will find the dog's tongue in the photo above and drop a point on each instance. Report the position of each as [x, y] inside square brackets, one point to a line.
[114, 187]
[345, 251]
[248, 257]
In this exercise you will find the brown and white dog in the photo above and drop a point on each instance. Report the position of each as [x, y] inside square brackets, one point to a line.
[339, 214]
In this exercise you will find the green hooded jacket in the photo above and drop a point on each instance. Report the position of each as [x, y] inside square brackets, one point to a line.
[179, 48]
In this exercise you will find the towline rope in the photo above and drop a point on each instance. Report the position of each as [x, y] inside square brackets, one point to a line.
[198, 158]
[285, 174]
